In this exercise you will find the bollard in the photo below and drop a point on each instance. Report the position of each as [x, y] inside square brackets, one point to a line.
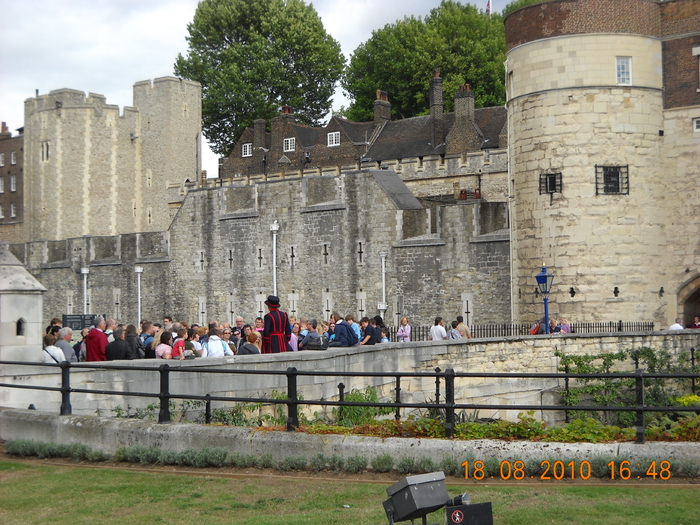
[207, 409]
[437, 386]
[292, 406]
[66, 409]
[164, 412]
[397, 416]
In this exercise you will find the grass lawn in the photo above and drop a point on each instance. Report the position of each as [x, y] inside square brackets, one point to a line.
[38, 493]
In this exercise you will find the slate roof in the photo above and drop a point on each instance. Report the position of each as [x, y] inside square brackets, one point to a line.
[359, 132]
[396, 190]
[307, 135]
[411, 137]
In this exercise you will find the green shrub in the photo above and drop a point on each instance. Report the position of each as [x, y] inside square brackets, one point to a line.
[356, 464]
[21, 447]
[406, 465]
[168, 457]
[187, 457]
[318, 462]
[451, 467]
[290, 463]
[97, 456]
[242, 460]
[353, 415]
[149, 455]
[336, 463]
[425, 464]
[265, 461]
[383, 463]
[492, 467]
[687, 401]
[78, 451]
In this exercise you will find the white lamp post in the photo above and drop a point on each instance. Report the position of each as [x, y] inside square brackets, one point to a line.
[274, 228]
[139, 271]
[85, 271]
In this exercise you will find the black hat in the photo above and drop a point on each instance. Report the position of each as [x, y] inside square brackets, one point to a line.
[273, 301]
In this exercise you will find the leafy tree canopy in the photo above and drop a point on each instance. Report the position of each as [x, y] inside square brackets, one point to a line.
[252, 57]
[465, 44]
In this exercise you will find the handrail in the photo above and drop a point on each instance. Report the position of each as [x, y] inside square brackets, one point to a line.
[293, 401]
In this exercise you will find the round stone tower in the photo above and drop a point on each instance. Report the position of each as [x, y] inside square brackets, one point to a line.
[585, 118]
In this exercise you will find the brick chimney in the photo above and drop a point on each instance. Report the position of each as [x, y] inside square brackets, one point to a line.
[278, 126]
[464, 102]
[259, 133]
[382, 108]
[436, 109]
[5, 133]
[465, 135]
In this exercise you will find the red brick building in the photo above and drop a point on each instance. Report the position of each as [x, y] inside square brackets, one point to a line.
[11, 176]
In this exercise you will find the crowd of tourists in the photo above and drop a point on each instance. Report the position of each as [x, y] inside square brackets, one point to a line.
[108, 340]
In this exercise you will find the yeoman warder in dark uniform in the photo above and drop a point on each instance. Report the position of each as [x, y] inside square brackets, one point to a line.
[277, 333]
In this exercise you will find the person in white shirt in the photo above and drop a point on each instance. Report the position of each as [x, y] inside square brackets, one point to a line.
[52, 354]
[437, 332]
[677, 325]
[215, 346]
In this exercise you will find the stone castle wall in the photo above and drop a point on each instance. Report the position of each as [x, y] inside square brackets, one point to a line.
[94, 171]
[215, 261]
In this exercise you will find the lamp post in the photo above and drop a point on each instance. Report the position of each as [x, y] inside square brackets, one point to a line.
[274, 228]
[85, 271]
[544, 282]
[139, 271]
[383, 306]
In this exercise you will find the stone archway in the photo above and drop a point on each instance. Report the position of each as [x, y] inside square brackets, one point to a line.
[689, 301]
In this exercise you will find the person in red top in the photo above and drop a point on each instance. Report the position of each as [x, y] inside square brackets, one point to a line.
[276, 332]
[179, 344]
[96, 341]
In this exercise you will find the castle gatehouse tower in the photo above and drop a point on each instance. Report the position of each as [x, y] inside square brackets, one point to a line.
[603, 164]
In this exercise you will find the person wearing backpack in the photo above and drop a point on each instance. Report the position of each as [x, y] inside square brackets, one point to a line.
[344, 335]
[312, 336]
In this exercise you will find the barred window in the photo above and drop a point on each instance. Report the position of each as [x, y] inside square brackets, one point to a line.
[290, 144]
[247, 150]
[612, 180]
[334, 138]
[550, 183]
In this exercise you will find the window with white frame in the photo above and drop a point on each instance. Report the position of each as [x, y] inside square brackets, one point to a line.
[13, 158]
[334, 138]
[623, 70]
[247, 150]
[2, 160]
[13, 209]
[2, 211]
[290, 144]
[696, 125]
[13, 183]
[2, 184]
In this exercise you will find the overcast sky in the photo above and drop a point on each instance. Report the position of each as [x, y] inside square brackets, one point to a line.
[105, 46]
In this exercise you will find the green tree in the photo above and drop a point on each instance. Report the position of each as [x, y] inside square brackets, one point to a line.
[252, 57]
[465, 44]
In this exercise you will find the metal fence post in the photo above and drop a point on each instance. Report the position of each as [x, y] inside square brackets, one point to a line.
[292, 406]
[164, 412]
[566, 387]
[692, 364]
[638, 373]
[66, 409]
[437, 386]
[449, 402]
[207, 409]
[397, 416]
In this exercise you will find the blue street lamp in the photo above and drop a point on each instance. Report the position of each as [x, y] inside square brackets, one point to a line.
[544, 282]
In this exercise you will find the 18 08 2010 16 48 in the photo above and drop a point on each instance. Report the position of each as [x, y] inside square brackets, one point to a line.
[560, 470]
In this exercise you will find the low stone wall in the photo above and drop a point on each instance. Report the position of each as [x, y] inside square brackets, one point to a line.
[513, 354]
[108, 434]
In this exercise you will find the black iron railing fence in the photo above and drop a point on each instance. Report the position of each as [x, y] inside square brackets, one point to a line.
[422, 333]
[444, 390]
